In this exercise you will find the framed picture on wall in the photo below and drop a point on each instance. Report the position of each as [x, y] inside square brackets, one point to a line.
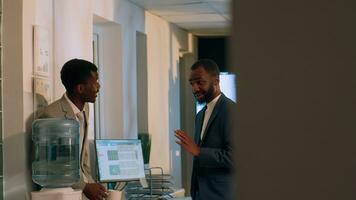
[41, 51]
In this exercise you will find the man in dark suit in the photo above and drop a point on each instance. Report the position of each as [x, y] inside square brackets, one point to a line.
[211, 147]
[80, 78]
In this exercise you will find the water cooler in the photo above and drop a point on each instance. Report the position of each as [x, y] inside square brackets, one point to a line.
[55, 166]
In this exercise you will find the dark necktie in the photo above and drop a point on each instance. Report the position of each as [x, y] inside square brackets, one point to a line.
[202, 124]
[83, 127]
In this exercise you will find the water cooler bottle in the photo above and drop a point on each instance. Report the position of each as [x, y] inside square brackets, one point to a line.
[55, 166]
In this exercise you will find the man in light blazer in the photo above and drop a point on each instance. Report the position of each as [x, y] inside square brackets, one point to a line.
[211, 147]
[80, 78]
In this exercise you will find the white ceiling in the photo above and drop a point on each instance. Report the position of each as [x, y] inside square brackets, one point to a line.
[201, 17]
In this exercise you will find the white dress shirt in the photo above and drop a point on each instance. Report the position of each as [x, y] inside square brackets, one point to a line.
[209, 109]
[79, 115]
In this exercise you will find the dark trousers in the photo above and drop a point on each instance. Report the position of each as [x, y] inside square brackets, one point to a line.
[197, 196]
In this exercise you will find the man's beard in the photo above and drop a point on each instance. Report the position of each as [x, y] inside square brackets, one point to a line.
[207, 96]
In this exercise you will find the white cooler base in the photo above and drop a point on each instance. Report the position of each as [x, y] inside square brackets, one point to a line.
[57, 194]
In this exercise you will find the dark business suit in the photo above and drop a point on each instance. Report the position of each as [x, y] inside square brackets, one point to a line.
[212, 169]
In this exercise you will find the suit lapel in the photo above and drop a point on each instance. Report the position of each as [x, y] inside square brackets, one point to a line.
[69, 114]
[213, 116]
[66, 109]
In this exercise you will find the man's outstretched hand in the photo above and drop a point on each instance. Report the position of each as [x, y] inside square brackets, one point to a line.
[187, 142]
[95, 191]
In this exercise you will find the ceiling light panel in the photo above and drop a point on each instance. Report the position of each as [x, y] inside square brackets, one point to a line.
[221, 7]
[202, 8]
[195, 18]
[153, 3]
[203, 15]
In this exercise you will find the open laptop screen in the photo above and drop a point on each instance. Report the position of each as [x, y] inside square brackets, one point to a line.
[119, 160]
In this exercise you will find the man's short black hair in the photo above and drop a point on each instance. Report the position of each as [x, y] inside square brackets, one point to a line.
[76, 71]
[209, 65]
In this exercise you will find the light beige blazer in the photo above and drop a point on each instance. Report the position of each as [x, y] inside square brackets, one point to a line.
[62, 109]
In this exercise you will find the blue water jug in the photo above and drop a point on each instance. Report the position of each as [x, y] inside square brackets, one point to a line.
[56, 152]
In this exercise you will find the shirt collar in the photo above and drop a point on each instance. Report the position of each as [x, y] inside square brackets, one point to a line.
[212, 103]
[75, 109]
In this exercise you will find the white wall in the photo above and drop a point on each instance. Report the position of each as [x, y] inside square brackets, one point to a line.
[19, 18]
[131, 19]
[164, 42]
[15, 170]
[70, 26]
[110, 77]
[73, 28]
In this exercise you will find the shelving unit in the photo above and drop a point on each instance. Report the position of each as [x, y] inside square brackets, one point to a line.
[159, 184]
